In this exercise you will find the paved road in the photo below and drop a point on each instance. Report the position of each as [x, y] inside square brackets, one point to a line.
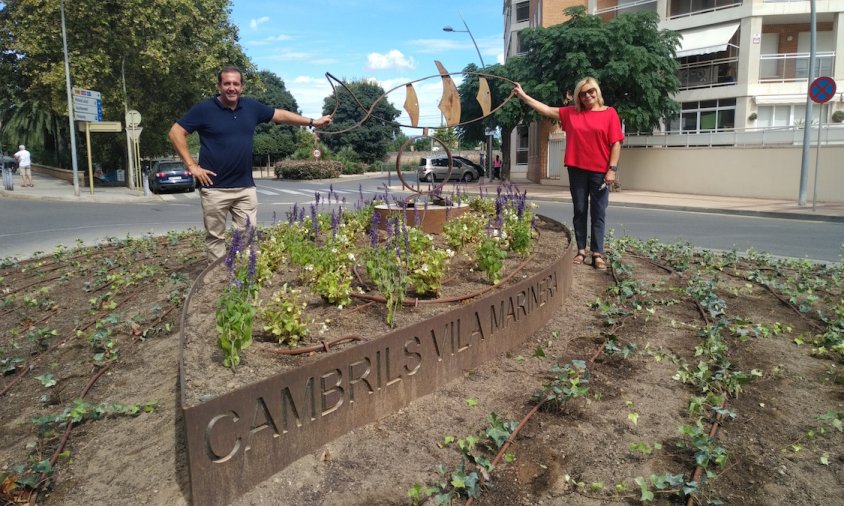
[28, 226]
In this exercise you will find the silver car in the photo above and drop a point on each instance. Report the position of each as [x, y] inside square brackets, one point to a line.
[436, 169]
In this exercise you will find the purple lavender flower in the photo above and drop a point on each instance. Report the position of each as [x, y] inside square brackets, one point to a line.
[406, 245]
[253, 262]
[316, 198]
[335, 222]
[234, 249]
[373, 230]
[314, 220]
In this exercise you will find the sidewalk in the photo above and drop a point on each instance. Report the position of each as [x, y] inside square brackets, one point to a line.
[52, 189]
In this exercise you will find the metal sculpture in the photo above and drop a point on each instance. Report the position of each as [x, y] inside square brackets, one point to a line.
[449, 106]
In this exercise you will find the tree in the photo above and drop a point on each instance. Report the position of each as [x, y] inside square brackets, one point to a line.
[371, 139]
[273, 141]
[633, 60]
[168, 51]
[508, 117]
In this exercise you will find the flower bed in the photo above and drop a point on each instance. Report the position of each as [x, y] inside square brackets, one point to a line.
[408, 311]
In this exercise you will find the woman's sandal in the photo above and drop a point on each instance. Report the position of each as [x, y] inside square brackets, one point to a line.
[598, 262]
[579, 258]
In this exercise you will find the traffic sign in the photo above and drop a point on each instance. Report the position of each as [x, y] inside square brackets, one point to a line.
[317, 154]
[822, 90]
[87, 105]
[133, 118]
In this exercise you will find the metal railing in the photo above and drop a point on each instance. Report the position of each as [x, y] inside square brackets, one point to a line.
[621, 8]
[675, 12]
[761, 137]
[708, 74]
[787, 67]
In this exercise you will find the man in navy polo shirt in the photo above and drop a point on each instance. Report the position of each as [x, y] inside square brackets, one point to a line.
[226, 125]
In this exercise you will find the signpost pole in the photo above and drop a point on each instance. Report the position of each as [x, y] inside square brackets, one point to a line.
[817, 159]
[70, 118]
[88, 147]
[821, 91]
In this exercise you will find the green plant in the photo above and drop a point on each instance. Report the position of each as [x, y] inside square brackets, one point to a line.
[464, 230]
[235, 309]
[387, 268]
[490, 256]
[284, 316]
[569, 383]
[426, 264]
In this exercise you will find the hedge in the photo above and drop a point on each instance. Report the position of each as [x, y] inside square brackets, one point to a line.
[308, 169]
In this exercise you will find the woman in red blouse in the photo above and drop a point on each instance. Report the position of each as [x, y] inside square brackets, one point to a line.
[593, 147]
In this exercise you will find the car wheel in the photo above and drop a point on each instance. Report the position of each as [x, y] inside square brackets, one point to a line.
[468, 177]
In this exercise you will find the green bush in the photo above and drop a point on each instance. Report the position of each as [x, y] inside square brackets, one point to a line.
[353, 168]
[838, 117]
[308, 169]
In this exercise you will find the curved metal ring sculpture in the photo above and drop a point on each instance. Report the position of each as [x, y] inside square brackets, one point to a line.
[449, 106]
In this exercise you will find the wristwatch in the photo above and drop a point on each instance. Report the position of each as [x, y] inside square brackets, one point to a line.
[311, 123]
[614, 168]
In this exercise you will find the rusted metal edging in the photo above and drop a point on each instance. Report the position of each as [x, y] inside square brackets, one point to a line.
[241, 438]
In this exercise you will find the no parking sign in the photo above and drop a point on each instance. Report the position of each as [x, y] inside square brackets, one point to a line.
[822, 90]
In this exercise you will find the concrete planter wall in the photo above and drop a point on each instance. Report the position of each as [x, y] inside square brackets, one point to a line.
[243, 437]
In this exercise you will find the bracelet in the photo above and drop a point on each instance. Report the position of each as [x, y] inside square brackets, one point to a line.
[311, 123]
[614, 168]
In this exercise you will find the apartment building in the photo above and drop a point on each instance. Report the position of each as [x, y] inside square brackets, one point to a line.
[744, 69]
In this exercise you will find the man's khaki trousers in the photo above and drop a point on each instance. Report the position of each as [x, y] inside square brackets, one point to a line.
[217, 203]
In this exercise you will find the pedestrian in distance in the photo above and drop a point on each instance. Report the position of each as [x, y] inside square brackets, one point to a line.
[496, 168]
[226, 125]
[24, 159]
[593, 148]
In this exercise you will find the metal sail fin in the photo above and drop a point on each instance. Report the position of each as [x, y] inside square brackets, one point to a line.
[484, 97]
[411, 104]
[450, 101]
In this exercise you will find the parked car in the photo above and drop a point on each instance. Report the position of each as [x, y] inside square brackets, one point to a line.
[9, 162]
[478, 167]
[436, 169]
[169, 175]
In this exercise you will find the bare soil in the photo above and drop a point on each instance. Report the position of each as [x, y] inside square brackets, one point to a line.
[779, 451]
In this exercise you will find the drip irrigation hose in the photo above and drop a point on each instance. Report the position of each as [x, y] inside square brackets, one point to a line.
[66, 436]
[323, 346]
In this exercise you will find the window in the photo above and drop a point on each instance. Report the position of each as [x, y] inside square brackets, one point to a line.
[522, 11]
[522, 147]
[706, 116]
[520, 48]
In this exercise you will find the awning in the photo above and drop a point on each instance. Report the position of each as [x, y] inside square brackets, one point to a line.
[711, 39]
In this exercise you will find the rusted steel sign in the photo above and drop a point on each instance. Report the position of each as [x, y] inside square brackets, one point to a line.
[237, 440]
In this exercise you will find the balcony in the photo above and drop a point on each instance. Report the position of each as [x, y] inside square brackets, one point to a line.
[708, 74]
[831, 134]
[683, 8]
[610, 9]
[790, 67]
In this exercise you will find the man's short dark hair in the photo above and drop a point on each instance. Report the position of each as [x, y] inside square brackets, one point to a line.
[226, 70]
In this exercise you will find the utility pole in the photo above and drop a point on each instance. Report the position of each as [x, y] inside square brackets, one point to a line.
[70, 108]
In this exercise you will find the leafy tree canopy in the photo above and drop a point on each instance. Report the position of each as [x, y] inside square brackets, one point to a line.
[168, 51]
[371, 139]
[632, 59]
[273, 141]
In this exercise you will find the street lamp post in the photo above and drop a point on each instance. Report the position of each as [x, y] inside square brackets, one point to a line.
[448, 28]
[70, 108]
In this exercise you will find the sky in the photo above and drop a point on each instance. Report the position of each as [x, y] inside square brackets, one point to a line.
[392, 42]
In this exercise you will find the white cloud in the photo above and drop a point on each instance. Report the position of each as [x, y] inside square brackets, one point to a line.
[392, 60]
[255, 23]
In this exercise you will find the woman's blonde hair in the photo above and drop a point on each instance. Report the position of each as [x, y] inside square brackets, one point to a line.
[588, 83]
